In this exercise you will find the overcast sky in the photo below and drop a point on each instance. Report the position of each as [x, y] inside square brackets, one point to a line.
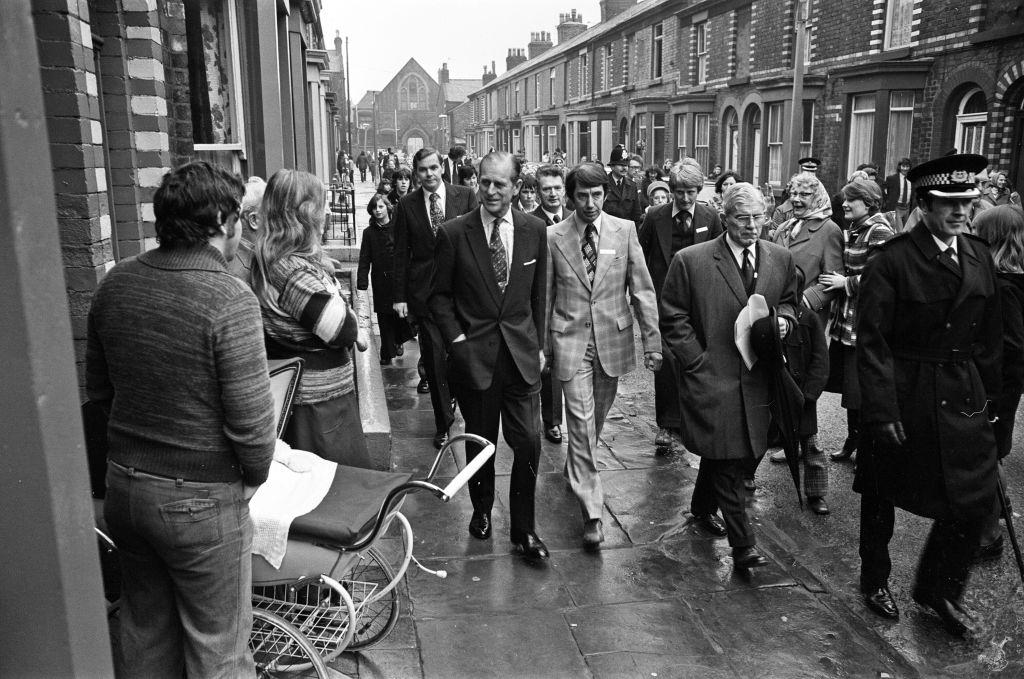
[384, 34]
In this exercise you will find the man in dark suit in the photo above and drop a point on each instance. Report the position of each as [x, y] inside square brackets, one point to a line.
[451, 164]
[487, 297]
[666, 230]
[929, 351]
[724, 418]
[551, 185]
[623, 198]
[898, 190]
[418, 216]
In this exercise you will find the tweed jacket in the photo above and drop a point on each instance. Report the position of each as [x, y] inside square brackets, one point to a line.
[579, 310]
[723, 406]
[656, 237]
[817, 249]
[414, 243]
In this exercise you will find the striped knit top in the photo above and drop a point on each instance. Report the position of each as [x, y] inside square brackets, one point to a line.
[310, 318]
[175, 356]
[863, 241]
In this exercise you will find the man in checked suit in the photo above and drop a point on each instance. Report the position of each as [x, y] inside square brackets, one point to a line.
[595, 266]
[666, 230]
[417, 218]
[487, 298]
[723, 403]
[551, 185]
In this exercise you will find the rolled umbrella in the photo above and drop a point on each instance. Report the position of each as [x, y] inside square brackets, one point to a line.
[1004, 502]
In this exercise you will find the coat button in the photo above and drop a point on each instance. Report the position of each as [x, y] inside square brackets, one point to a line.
[948, 326]
[943, 402]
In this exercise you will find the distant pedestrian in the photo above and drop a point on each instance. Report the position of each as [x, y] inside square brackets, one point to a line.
[623, 199]
[376, 264]
[929, 340]
[723, 182]
[898, 190]
[468, 176]
[175, 357]
[401, 180]
[452, 162]
[362, 163]
[526, 200]
[305, 315]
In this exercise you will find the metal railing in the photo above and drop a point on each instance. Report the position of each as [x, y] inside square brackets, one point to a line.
[341, 215]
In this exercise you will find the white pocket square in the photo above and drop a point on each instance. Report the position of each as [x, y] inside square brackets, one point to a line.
[532, 261]
[702, 229]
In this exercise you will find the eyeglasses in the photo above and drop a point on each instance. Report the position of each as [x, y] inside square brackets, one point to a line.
[749, 219]
[802, 195]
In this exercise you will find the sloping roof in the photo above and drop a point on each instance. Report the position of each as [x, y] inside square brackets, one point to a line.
[569, 45]
[367, 101]
[459, 90]
[412, 65]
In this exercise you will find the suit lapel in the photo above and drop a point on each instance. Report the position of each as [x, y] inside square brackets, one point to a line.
[609, 240]
[765, 270]
[727, 267]
[482, 255]
[663, 227]
[451, 204]
[522, 245]
[568, 243]
[420, 208]
[967, 271]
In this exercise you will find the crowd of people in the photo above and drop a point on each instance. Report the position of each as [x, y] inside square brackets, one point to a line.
[525, 286]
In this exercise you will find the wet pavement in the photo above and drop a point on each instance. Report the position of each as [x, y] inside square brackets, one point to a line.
[661, 599]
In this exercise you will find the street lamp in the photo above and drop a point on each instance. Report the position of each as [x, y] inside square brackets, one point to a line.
[365, 127]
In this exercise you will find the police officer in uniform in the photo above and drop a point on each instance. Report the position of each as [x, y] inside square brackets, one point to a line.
[623, 196]
[929, 342]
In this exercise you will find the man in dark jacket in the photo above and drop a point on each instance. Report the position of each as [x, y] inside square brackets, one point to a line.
[623, 198]
[929, 342]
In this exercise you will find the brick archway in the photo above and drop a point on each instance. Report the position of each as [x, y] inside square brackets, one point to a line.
[1005, 116]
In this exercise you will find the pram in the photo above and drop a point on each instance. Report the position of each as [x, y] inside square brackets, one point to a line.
[334, 590]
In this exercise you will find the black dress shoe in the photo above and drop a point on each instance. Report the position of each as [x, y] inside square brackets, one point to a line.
[881, 602]
[749, 485]
[989, 552]
[592, 533]
[399, 349]
[480, 525]
[530, 546]
[849, 448]
[440, 438]
[817, 505]
[553, 433]
[955, 619]
[423, 387]
[747, 557]
[711, 524]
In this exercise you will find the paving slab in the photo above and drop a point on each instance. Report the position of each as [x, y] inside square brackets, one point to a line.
[621, 665]
[667, 627]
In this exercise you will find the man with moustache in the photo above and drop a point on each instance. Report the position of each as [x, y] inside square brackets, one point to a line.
[723, 404]
[418, 216]
[666, 230]
[929, 350]
[595, 266]
[487, 298]
[551, 186]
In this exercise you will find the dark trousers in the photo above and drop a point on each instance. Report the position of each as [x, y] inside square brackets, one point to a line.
[550, 400]
[720, 486]
[362, 174]
[666, 394]
[515, 404]
[945, 562]
[432, 353]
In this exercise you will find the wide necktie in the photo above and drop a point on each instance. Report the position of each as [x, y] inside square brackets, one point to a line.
[499, 259]
[747, 271]
[436, 213]
[950, 256]
[589, 246]
[683, 220]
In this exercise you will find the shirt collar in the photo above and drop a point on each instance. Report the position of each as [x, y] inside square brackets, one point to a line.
[942, 246]
[488, 219]
[676, 210]
[551, 215]
[737, 250]
[441, 195]
[581, 224]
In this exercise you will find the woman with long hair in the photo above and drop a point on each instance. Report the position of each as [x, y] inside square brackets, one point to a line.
[1003, 228]
[862, 200]
[376, 264]
[401, 180]
[305, 315]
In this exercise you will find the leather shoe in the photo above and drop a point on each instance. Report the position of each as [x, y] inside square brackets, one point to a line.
[817, 505]
[747, 557]
[749, 485]
[399, 349]
[778, 456]
[553, 433]
[531, 546]
[423, 387]
[955, 619]
[849, 448]
[440, 438]
[480, 525]
[881, 602]
[592, 533]
[989, 552]
[711, 524]
[663, 442]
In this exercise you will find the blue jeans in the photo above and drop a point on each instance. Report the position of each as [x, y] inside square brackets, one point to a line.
[185, 550]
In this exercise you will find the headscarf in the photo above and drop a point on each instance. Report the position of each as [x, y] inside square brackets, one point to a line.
[819, 207]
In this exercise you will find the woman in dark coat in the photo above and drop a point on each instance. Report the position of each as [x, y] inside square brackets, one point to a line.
[376, 260]
[1003, 228]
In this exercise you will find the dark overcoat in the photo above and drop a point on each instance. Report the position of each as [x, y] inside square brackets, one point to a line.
[376, 262]
[623, 201]
[655, 236]
[929, 345]
[723, 405]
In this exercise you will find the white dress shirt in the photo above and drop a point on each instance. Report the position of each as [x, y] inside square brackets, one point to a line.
[944, 246]
[440, 199]
[505, 231]
[737, 253]
[581, 227]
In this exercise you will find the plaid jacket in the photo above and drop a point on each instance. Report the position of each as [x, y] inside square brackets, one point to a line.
[862, 243]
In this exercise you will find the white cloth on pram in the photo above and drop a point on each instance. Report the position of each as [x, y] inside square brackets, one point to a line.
[298, 481]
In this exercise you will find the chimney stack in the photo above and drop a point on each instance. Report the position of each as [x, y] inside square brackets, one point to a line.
[569, 26]
[488, 77]
[516, 56]
[442, 74]
[540, 42]
[612, 8]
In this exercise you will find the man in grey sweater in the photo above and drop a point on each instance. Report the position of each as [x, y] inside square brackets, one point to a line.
[175, 355]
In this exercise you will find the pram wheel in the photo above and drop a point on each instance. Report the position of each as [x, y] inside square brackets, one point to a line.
[277, 645]
[379, 613]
